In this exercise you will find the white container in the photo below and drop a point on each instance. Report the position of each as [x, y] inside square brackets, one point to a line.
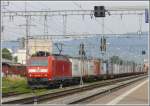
[85, 68]
[110, 69]
[103, 69]
[90, 68]
[75, 67]
[115, 69]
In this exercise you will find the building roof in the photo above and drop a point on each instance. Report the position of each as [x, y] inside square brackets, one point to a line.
[9, 62]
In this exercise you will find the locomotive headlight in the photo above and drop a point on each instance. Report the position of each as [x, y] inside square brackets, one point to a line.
[43, 70]
[32, 70]
[38, 70]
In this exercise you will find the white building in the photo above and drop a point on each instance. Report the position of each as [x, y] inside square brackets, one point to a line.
[21, 56]
[34, 45]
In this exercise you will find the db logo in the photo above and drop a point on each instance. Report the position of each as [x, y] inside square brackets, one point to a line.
[38, 69]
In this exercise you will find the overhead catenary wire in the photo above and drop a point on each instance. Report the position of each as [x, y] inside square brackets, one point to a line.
[123, 24]
[50, 27]
[63, 29]
[56, 30]
[84, 25]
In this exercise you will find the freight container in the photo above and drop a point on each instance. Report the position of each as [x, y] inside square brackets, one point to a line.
[114, 69]
[97, 67]
[110, 68]
[90, 68]
[130, 69]
[118, 69]
[104, 68]
[75, 67]
[125, 68]
[83, 67]
[136, 68]
[79, 68]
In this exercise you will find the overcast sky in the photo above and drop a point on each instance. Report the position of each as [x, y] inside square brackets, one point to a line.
[75, 24]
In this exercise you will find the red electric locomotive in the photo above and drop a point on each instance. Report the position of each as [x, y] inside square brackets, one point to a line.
[48, 70]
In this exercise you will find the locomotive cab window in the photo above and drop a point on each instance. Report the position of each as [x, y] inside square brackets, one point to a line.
[39, 63]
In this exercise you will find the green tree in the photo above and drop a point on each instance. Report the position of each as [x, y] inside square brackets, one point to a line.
[116, 60]
[6, 54]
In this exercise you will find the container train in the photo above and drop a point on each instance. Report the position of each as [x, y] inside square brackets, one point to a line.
[53, 70]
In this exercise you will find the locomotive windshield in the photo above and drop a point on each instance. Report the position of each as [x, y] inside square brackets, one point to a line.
[39, 63]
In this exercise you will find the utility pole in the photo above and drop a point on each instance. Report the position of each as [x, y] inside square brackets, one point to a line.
[103, 41]
[45, 26]
[27, 34]
[27, 27]
[4, 4]
[82, 55]
[102, 37]
[100, 12]
[64, 24]
[2, 28]
[140, 24]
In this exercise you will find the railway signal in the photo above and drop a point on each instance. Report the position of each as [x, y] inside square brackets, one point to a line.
[103, 44]
[82, 51]
[146, 16]
[143, 52]
[99, 11]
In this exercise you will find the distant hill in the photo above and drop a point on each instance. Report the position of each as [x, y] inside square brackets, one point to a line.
[144, 33]
[127, 48]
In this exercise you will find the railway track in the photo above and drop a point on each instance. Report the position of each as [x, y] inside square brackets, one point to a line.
[103, 92]
[59, 94]
[13, 94]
